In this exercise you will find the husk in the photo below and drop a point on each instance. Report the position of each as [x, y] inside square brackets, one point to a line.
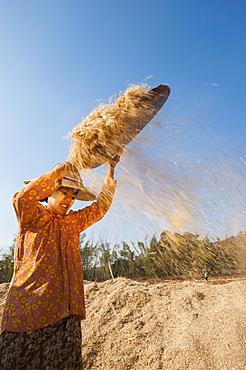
[107, 129]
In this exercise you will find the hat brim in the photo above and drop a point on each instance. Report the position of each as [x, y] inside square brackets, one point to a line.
[82, 194]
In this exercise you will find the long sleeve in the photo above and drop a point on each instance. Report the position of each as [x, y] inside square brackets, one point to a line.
[25, 202]
[47, 284]
[97, 210]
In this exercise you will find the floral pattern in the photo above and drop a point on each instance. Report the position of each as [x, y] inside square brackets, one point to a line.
[47, 284]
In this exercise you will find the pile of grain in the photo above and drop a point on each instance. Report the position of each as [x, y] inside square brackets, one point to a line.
[193, 325]
[171, 325]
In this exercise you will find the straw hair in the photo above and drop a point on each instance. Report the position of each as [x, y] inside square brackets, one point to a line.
[100, 135]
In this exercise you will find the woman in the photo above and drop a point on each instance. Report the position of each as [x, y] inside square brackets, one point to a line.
[41, 321]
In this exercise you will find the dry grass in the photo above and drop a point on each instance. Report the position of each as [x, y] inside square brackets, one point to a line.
[104, 131]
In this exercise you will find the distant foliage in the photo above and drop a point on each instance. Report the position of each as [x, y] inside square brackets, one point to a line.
[7, 265]
[172, 256]
[101, 263]
[185, 256]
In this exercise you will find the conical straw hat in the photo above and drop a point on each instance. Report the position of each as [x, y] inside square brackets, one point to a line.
[73, 180]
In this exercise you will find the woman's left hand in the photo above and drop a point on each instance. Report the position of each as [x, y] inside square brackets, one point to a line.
[112, 162]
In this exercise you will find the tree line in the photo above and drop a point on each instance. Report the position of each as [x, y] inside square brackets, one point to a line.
[171, 256]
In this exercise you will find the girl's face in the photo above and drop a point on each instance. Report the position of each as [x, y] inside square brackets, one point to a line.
[61, 200]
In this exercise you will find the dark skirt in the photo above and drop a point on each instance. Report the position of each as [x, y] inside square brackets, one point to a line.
[53, 347]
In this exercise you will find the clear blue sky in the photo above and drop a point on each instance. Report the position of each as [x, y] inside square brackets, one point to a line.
[59, 57]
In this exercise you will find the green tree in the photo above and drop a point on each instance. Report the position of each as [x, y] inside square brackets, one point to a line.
[7, 264]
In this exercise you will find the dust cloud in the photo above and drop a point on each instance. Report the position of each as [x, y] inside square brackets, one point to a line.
[175, 176]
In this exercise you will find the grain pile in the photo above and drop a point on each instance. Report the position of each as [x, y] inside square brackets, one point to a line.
[171, 325]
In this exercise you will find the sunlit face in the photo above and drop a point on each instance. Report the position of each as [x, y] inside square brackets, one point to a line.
[61, 200]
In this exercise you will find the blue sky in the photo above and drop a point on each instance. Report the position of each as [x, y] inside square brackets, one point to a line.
[59, 58]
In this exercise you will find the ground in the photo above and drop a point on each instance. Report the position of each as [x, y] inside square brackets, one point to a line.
[169, 325]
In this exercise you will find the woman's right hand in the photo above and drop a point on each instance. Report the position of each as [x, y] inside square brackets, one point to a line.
[64, 169]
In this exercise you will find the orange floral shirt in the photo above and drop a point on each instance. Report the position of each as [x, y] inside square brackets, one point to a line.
[47, 284]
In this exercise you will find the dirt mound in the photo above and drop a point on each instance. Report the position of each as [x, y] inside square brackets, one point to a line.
[171, 325]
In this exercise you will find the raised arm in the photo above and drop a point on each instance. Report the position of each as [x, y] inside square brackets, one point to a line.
[95, 212]
[106, 196]
[26, 200]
